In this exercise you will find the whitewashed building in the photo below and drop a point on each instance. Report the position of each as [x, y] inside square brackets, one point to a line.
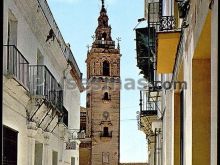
[179, 108]
[41, 88]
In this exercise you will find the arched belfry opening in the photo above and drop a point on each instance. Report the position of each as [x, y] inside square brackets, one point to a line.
[104, 36]
[106, 96]
[106, 68]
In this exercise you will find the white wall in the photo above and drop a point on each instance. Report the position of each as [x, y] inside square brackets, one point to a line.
[32, 31]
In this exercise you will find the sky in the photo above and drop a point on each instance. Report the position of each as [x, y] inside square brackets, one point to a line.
[77, 21]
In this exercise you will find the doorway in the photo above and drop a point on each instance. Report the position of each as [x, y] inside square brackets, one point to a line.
[10, 138]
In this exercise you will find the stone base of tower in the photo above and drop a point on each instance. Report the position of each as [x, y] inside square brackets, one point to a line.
[85, 152]
[105, 152]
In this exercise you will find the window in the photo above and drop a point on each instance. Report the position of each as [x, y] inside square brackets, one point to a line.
[106, 96]
[88, 100]
[15, 62]
[54, 158]
[38, 153]
[105, 131]
[65, 116]
[105, 157]
[106, 69]
[12, 29]
[9, 146]
[73, 161]
[104, 35]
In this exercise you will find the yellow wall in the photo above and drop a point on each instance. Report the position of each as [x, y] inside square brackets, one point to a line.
[166, 51]
[177, 128]
[203, 46]
[201, 103]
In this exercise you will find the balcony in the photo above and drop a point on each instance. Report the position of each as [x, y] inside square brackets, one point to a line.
[150, 102]
[75, 134]
[44, 86]
[17, 66]
[145, 47]
[168, 38]
[104, 44]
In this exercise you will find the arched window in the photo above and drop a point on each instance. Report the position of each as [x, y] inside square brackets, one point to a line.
[106, 69]
[106, 96]
[104, 36]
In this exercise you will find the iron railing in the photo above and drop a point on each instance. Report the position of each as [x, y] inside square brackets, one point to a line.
[106, 134]
[104, 44]
[17, 65]
[167, 23]
[149, 103]
[43, 84]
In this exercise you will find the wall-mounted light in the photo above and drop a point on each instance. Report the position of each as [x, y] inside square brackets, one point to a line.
[51, 35]
[139, 21]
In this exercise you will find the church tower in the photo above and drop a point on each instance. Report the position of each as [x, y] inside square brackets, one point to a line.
[103, 95]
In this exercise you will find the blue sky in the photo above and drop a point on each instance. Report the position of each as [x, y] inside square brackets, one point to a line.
[77, 20]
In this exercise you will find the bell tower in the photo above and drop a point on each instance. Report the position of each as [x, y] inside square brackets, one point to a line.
[103, 94]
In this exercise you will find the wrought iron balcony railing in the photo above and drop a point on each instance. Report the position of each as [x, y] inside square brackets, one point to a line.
[167, 23]
[17, 65]
[106, 134]
[149, 103]
[151, 109]
[43, 84]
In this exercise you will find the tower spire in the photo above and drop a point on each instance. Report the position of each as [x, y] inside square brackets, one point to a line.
[103, 3]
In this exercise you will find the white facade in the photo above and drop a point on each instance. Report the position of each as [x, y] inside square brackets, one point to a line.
[42, 139]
